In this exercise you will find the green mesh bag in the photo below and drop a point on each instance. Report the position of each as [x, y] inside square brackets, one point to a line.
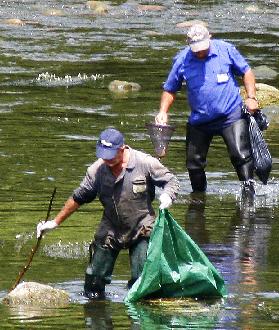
[175, 266]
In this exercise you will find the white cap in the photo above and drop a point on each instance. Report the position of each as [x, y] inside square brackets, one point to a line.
[198, 38]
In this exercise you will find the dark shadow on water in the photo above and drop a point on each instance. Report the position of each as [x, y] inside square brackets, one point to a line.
[98, 315]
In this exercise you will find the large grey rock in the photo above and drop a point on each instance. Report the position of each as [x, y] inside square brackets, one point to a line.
[33, 293]
[264, 72]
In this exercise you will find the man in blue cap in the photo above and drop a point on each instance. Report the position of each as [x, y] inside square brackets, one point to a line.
[210, 67]
[124, 180]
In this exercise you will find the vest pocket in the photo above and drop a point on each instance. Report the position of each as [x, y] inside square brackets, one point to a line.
[139, 185]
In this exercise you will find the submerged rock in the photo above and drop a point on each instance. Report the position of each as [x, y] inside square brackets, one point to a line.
[264, 72]
[151, 7]
[252, 9]
[53, 12]
[98, 7]
[189, 23]
[272, 113]
[13, 21]
[120, 86]
[33, 293]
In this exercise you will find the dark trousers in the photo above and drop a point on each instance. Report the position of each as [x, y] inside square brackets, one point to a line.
[236, 138]
[102, 262]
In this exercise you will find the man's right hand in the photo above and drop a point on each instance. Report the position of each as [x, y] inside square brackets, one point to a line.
[161, 118]
[44, 226]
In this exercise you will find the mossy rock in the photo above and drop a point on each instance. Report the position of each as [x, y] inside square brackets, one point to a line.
[13, 21]
[98, 7]
[33, 293]
[120, 86]
[266, 94]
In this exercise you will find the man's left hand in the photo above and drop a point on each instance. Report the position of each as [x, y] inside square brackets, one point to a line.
[251, 104]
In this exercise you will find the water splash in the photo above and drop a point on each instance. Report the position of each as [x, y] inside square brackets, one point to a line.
[22, 239]
[52, 80]
[68, 250]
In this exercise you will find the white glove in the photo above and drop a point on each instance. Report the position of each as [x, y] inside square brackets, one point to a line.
[165, 200]
[44, 226]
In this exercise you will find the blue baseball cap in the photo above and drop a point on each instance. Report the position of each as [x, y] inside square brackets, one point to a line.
[110, 140]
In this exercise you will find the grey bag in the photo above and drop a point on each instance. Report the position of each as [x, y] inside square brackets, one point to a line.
[160, 136]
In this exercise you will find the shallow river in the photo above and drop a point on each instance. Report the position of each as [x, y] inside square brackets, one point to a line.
[57, 60]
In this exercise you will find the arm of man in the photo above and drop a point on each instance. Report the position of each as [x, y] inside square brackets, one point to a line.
[167, 100]
[164, 179]
[171, 86]
[70, 207]
[250, 86]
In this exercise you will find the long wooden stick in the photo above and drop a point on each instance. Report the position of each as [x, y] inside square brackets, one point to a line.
[35, 248]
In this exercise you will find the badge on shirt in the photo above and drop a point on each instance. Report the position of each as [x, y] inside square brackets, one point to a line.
[222, 77]
[139, 185]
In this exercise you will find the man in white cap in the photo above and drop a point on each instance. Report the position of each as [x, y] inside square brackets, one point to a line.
[124, 180]
[209, 67]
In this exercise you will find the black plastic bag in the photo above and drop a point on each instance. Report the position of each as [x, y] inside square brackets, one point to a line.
[261, 154]
[261, 120]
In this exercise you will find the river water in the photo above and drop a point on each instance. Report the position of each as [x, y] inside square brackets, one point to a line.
[56, 65]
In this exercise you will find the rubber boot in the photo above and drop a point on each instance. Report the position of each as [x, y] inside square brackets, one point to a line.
[99, 271]
[137, 254]
[197, 145]
[198, 180]
[245, 172]
[93, 289]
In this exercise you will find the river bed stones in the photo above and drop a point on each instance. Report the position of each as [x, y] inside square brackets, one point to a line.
[33, 293]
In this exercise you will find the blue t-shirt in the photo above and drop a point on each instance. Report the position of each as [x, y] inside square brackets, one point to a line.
[213, 91]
